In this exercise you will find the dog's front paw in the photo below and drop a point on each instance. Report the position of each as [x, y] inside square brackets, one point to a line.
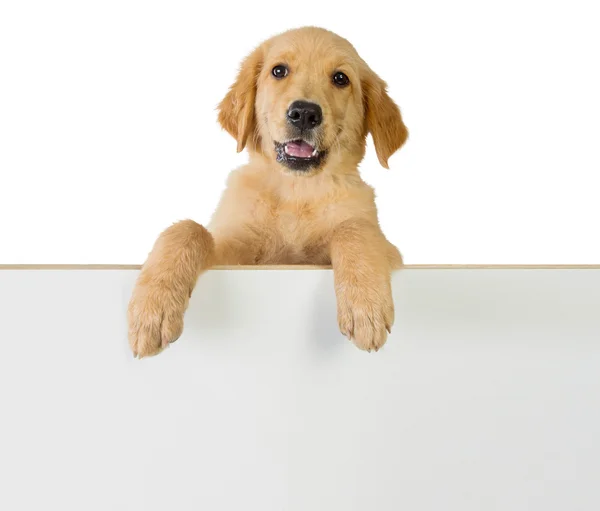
[365, 314]
[155, 317]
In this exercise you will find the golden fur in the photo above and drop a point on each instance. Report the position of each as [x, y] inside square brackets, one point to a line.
[272, 215]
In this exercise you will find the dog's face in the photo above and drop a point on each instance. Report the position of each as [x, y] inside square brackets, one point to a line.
[307, 100]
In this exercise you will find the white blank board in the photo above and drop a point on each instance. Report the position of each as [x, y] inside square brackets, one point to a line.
[486, 396]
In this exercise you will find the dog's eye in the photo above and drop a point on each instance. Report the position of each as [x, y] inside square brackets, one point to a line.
[279, 71]
[340, 79]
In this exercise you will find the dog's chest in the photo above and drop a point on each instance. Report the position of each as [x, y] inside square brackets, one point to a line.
[299, 233]
[295, 221]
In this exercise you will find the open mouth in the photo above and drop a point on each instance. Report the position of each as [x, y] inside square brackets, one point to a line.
[299, 155]
[300, 149]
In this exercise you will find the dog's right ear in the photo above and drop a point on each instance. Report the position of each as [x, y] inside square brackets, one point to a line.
[236, 111]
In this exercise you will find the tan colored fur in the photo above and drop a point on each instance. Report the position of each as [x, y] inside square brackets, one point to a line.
[271, 215]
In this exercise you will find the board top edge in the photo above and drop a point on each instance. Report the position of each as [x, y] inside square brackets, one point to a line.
[309, 267]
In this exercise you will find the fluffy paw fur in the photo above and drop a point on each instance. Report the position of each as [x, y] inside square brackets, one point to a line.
[365, 314]
[155, 317]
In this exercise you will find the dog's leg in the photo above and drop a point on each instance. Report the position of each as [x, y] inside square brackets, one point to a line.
[394, 256]
[168, 277]
[361, 264]
[165, 284]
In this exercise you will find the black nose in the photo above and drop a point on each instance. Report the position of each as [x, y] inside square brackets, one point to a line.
[304, 115]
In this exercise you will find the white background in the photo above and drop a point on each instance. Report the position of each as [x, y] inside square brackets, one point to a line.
[108, 127]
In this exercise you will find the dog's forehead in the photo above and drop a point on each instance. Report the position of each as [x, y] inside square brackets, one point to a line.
[310, 44]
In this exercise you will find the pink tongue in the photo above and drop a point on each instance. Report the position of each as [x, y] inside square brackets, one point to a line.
[299, 149]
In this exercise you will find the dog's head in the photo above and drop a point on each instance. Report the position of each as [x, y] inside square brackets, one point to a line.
[307, 100]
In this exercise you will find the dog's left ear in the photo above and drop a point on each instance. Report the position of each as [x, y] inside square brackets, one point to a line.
[383, 118]
[236, 111]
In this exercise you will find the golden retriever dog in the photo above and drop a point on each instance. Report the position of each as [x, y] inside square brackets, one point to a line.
[302, 105]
